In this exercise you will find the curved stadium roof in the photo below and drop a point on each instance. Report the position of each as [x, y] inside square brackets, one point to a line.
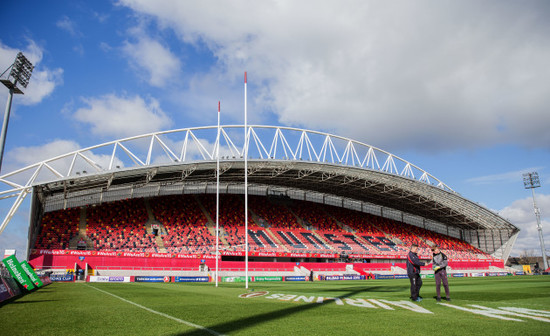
[293, 162]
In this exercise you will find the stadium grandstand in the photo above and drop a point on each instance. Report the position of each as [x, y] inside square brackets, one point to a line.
[316, 202]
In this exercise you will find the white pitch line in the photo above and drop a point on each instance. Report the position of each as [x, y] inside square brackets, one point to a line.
[161, 314]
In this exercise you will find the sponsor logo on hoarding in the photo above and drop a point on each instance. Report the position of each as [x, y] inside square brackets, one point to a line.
[268, 278]
[31, 274]
[116, 279]
[212, 256]
[104, 278]
[161, 255]
[384, 276]
[149, 279]
[295, 278]
[298, 255]
[236, 279]
[191, 279]
[343, 277]
[14, 267]
[232, 253]
[61, 277]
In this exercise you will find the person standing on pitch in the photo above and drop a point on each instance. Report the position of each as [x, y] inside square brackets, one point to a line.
[440, 273]
[413, 271]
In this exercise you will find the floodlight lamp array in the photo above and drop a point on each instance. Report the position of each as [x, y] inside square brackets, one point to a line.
[531, 180]
[21, 70]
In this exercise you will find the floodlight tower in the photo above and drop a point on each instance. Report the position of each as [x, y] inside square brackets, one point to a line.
[532, 181]
[21, 71]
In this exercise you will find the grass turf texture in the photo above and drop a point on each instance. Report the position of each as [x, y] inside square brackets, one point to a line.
[77, 308]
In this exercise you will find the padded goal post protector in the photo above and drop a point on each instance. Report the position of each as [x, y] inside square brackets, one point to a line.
[17, 272]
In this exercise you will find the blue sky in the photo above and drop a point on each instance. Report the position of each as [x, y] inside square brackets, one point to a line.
[459, 88]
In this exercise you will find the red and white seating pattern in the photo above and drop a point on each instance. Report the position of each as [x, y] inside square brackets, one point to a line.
[301, 227]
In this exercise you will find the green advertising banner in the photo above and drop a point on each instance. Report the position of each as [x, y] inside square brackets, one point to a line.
[235, 279]
[268, 278]
[14, 267]
[31, 274]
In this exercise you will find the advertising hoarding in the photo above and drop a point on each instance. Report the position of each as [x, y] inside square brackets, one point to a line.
[14, 267]
[31, 274]
[191, 279]
[62, 277]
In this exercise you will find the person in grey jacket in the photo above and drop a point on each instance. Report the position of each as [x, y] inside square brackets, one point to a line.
[440, 273]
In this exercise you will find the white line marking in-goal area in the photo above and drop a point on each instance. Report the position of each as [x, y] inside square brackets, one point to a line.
[161, 314]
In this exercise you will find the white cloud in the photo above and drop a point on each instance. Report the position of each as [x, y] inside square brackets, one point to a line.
[41, 85]
[43, 80]
[521, 214]
[21, 157]
[150, 56]
[24, 156]
[114, 116]
[466, 73]
[68, 25]
[508, 177]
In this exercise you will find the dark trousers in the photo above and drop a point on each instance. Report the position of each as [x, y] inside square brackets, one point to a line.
[416, 283]
[441, 277]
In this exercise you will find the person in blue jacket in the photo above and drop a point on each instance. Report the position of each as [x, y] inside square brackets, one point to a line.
[413, 272]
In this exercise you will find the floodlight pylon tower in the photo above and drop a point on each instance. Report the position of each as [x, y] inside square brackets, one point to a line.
[532, 181]
[21, 71]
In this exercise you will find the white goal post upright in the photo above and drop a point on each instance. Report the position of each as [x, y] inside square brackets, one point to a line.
[218, 195]
[245, 152]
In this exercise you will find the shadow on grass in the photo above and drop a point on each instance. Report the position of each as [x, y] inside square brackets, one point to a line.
[380, 289]
[30, 301]
[42, 291]
[232, 326]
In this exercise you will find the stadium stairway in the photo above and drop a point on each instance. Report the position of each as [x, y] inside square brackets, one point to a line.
[300, 220]
[262, 223]
[148, 227]
[306, 226]
[342, 226]
[211, 225]
[73, 243]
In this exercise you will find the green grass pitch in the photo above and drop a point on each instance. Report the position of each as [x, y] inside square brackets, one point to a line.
[480, 306]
